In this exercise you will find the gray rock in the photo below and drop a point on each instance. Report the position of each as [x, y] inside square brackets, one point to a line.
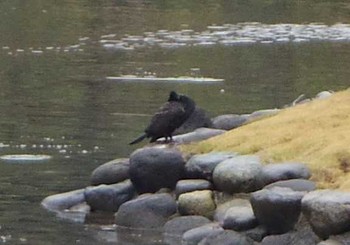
[197, 135]
[226, 237]
[197, 203]
[111, 172]
[324, 95]
[194, 236]
[202, 165]
[257, 234]
[239, 219]
[284, 171]
[239, 174]
[153, 168]
[294, 184]
[257, 115]
[147, 211]
[198, 119]
[236, 202]
[63, 201]
[189, 185]
[109, 197]
[327, 211]
[179, 225]
[331, 242]
[229, 121]
[277, 209]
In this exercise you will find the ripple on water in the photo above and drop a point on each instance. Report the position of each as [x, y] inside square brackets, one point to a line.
[25, 158]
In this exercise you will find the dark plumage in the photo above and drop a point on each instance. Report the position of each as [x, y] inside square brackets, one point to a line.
[168, 118]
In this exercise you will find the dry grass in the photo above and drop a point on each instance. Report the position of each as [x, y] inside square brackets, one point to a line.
[316, 133]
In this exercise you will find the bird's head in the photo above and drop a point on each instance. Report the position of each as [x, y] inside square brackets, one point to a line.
[173, 96]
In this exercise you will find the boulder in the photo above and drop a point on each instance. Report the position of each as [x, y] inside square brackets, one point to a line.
[294, 184]
[284, 171]
[197, 135]
[239, 219]
[198, 119]
[63, 201]
[195, 235]
[277, 209]
[179, 225]
[238, 174]
[149, 211]
[109, 197]
[111, 172]
[327, 211]
[153, 168]
[190, 185]
[229, 121]
[222, 208]
[202, 165]
[197, 203]
[226, 237]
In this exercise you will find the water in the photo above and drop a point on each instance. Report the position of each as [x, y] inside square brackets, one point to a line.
[55, 99]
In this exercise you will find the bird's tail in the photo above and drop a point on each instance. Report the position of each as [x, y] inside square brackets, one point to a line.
[138, 139]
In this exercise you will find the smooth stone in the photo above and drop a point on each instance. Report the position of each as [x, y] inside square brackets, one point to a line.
[236, 202]
[239, 174]
[331, 242]
[189, 185]
[198, 119]
[327, 211]
[153, 168]
[109, 197]
[148, 211]
[111, 172]
[195, 235]
[203, 165]
[324, 95]
[229, 121]
[294, 184]
[284, 171]
[63, 201]
[257, 234]
[226, 237]
[278, 209]
[239, 219]
[197, 203]
[260, 114]
[179, 225]
[197, 135]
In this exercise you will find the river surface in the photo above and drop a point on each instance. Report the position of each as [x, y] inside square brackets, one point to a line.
[55, 99]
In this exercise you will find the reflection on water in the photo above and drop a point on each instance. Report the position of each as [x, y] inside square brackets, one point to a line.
[55, 100]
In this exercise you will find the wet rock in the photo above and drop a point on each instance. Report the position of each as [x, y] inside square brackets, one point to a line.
[190, 185]
[277, 209]
[257, 115]
[153, 168]
[229, 121]
[283, 171]
[239, 219]
[111, 172]
[198, 119]
[179, 225]
[226, 237]
[294, 184]
[197, 135]
[202, 165]
[63, 201]
[239, 174]
[194, 236]
[147, 211]
[109, 197]
[197, 203]
[327, 211]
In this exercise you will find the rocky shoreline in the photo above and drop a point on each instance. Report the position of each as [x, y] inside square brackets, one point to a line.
[165, 197]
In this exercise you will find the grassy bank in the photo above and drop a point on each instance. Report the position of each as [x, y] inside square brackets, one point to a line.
[316, 133]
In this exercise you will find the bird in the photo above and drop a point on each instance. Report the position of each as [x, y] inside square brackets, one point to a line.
[169, 117]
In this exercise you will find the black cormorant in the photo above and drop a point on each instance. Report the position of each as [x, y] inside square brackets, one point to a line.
[168, 118]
